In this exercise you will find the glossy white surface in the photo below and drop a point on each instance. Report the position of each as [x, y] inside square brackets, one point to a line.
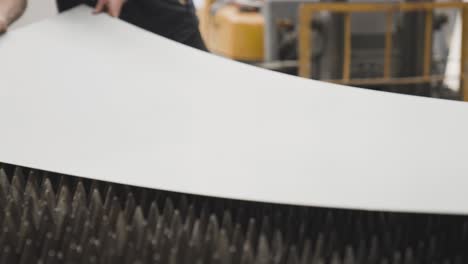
[92, 96]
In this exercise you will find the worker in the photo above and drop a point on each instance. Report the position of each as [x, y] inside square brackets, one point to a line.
[173, 19]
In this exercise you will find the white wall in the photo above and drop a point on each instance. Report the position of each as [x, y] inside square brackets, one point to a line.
[36, 11]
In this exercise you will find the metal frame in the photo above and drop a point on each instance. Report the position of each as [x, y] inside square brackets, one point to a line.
[307, 10]
[273, 10]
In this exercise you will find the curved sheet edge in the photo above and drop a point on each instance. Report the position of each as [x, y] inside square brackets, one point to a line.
[94, 97]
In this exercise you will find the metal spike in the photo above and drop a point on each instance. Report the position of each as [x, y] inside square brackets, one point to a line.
[19, 179]
[48, 194]
[130, 205]
[349, 256]
[263, 251]
[222, 248]
[121, 231]
[168, 211]
[114, 211]
[247, 254]
[108, 199]
[94, 188]
[307, 256]
[79, 198]
[4, 193]
[196, 236]
[237, 238]
[319, 247]
[212, 229]
[176, 224]
[266, 226]
[293, 257]
[227, 223]
[374, 250]
[138, 227]
[251, 231]
[27, 253]
[277, 247]
[32, 186]
[15, 192]
[189, 218]
[63, 207]
[153, 216]
[183, 206]
[4, 185]
[26, 232]
[95, 208]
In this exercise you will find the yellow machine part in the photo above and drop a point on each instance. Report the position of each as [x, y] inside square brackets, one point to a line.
[233, 33]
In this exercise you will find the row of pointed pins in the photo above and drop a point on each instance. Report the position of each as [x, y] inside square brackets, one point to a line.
[51, 218]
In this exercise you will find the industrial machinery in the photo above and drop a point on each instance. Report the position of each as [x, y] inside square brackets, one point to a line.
[387, 45]
[52, 218]
[233, 28]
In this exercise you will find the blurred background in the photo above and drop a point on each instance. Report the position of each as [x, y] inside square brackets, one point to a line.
[411, 47]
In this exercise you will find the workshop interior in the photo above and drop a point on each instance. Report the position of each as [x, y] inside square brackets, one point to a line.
[417, 48]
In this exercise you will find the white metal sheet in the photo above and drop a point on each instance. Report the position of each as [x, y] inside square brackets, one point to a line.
[95, 97]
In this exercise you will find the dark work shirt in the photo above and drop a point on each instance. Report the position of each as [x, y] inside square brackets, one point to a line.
[173, 19]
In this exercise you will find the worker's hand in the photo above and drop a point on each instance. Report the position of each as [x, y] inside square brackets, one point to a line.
[113, 7]
[3, 25]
